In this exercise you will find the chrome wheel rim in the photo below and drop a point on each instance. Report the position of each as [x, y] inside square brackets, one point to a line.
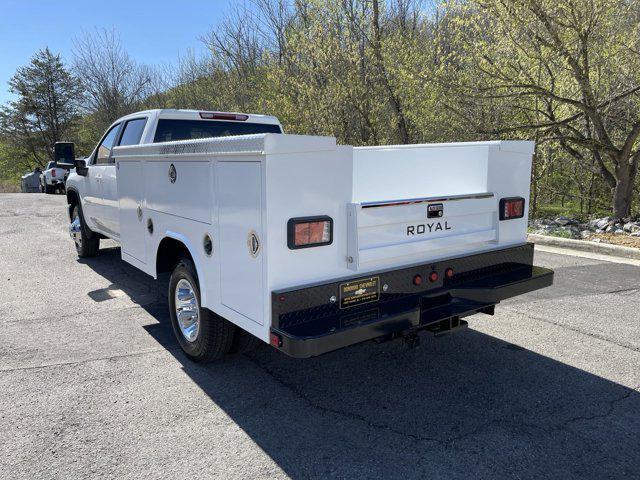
[187, 310]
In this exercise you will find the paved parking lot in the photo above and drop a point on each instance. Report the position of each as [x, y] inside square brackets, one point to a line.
[92, 383]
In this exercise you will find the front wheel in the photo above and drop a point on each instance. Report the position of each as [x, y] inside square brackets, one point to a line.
[87, 243]
[202, 335]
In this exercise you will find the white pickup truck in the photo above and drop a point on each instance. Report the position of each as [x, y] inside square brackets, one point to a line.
[52, 178]
[301, 243]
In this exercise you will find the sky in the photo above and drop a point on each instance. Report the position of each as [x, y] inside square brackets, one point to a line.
[152, 31]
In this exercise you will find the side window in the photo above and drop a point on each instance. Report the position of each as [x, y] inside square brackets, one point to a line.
[132, 132]
[104, 150]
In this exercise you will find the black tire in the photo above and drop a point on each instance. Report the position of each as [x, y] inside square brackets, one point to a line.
[215, 334]
[88, 242]
[244, 342]
[49, 189]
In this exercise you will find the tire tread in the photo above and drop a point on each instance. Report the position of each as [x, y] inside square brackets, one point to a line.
[217, 333]
[90, 240]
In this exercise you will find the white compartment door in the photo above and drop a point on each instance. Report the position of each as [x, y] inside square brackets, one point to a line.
[239, 188]
[132, 221]
[187, 196]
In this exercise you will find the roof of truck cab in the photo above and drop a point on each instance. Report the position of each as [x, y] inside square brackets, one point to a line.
[183, 114]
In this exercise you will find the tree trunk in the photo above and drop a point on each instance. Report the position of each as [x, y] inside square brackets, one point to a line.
[393, 99]
[590, 202]
[623, 190]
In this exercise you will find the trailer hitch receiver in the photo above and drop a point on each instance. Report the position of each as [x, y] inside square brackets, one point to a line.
[447, 325]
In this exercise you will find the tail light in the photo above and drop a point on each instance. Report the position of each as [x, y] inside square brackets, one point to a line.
[275, 339]
[511, 208]
[305, 232]
[240, 117]
[53, 172]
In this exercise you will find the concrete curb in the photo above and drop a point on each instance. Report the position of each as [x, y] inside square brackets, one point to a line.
[586, 246]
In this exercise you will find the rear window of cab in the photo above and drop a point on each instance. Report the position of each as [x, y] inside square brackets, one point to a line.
[169, 130]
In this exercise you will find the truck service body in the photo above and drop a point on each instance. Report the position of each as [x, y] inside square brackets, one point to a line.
[305, 244]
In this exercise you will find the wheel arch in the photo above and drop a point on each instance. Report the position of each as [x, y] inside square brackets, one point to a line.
[73, 199]
[170, 250]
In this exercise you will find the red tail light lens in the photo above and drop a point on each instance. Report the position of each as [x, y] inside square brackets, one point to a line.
[511, 208]
[308, 232]
[275, 339]
[53, 172]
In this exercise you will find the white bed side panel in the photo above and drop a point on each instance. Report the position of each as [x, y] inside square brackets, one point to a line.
[509, 175]
[388, 173]
[302, 185]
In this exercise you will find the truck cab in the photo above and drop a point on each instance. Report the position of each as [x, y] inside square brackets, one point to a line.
[97, 188]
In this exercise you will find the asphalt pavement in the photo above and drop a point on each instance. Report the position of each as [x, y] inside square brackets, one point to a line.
[93, 384]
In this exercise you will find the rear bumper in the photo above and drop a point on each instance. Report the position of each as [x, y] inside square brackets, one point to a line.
[309, 321]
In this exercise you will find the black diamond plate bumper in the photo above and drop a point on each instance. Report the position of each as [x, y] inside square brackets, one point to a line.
[314, 319]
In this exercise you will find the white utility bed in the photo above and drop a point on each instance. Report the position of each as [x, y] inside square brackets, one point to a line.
[234, 188]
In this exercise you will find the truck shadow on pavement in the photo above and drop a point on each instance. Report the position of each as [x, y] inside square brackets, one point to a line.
[464, 406]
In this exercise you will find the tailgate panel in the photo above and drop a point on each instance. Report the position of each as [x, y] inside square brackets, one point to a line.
[386, 231]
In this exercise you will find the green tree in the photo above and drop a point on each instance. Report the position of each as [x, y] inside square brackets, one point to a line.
[44, 112]
[566, 71]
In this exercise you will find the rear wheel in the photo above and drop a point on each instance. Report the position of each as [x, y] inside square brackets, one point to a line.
[49, 189]
[202, 335]
[87, 242]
